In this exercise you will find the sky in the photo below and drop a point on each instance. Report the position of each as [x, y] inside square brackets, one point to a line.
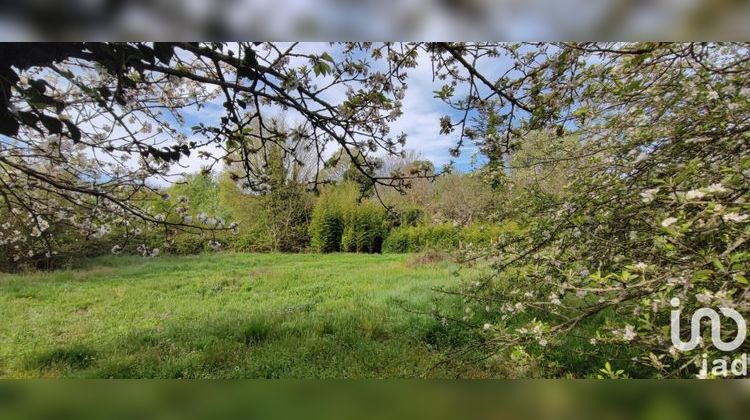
[420, 119]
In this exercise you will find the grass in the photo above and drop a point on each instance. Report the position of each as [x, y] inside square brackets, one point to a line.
[225, 316]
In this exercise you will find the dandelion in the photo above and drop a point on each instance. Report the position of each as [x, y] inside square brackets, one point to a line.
[669, 221]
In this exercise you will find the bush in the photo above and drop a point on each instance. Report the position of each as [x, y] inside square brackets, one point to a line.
[442, 236]
[418, 238]
[327, 224]
[364, 228]
[411, 216]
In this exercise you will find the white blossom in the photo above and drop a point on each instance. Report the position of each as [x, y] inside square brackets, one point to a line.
[649, 195]
[694, 195]
[669, 221]
[716, 189]
[554, 299]
[734, 217]
[628, 333]
[641, 266]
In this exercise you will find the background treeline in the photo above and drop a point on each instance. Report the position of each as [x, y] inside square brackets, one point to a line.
[344, 215]
[276, 210]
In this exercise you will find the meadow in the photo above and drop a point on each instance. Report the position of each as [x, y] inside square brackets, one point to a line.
[226, 315]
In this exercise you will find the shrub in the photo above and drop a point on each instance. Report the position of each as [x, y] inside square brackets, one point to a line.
[411, 216]
[364, 228]
[418, 238]
[443, 236]
[327, 224]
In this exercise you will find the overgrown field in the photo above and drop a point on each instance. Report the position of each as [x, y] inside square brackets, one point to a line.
[225, 315]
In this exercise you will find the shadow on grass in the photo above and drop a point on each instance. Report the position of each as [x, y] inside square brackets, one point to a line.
[64, 359]
[260, 346]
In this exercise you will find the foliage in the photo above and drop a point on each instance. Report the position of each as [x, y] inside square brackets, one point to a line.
[328, 217]
[364, 228]
[444, 236]
[462, 199]
[418, 238]
[656, 208]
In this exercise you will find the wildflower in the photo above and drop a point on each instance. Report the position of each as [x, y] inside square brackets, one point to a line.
[487, 327]
[554, 299]
[593, 341]
[669, 221]
[641, 266]
[543, 342]
[734, 217]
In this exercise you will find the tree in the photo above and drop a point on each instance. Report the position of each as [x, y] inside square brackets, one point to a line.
[655, 209]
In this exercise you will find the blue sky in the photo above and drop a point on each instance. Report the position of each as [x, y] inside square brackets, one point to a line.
[420, 119]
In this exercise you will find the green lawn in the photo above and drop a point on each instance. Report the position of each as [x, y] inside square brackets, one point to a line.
[224, 315]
